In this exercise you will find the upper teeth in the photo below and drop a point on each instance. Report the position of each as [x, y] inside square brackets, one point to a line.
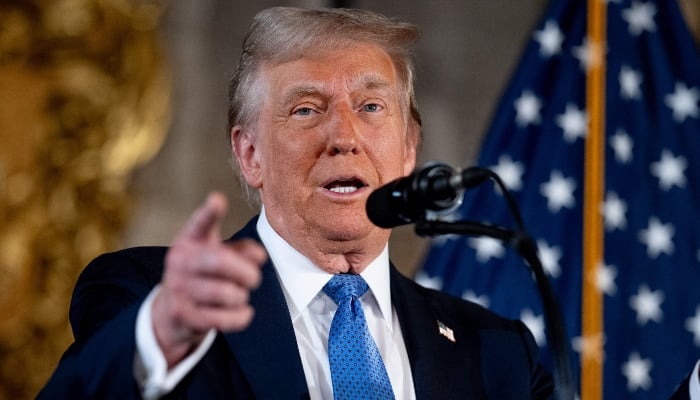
[343, 189]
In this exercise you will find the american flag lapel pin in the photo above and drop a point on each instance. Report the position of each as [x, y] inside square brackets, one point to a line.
[446, 332]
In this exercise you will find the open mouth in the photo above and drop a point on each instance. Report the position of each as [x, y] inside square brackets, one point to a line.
[345, 186]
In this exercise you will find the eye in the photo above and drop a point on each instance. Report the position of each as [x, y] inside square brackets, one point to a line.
[303, 111]
[371, 107]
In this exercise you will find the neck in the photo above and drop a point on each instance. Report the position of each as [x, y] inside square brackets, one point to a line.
[333, 253]
[338, 257]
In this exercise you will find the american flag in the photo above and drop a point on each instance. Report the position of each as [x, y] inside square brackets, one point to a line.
[649, 278]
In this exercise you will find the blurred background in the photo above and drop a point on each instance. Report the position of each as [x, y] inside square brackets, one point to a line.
[112, 130]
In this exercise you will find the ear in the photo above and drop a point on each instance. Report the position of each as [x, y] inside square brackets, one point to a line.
[413, 137]
[244, 146]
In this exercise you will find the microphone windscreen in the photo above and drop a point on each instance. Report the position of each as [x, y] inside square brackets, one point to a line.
[384, 206]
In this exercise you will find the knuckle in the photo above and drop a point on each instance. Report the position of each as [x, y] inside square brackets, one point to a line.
[238, 296]
[179, 313]
[177, 285]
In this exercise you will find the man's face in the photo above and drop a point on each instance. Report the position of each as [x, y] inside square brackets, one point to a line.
[330, 130]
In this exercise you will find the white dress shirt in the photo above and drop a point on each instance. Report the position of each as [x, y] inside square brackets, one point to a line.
[311, 312]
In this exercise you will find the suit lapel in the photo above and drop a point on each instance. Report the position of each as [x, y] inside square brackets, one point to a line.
[439, 366]
[267, 350]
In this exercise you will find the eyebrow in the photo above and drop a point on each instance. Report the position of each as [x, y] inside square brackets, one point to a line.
[372, 81]
[299, 91]
[368, 81]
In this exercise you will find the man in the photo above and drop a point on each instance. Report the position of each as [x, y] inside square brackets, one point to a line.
[322, 112]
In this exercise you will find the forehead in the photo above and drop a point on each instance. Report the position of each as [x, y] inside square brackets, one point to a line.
[355, 66]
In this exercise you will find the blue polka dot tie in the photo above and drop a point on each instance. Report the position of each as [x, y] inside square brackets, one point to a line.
[357, 369]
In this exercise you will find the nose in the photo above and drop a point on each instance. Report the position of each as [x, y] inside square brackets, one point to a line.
[343, 133]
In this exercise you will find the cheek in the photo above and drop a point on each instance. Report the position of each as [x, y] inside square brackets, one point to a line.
[392, 153]
[294, 152]
[287, 161]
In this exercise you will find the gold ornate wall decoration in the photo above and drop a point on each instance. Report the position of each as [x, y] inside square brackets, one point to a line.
[84, 99]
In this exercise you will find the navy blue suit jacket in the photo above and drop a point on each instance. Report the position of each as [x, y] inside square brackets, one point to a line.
[491, 358]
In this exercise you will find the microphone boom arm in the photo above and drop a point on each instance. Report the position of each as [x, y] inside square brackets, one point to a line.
[526, 247]
[471, 228]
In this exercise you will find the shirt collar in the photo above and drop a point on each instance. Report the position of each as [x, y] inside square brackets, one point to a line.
[302, 280]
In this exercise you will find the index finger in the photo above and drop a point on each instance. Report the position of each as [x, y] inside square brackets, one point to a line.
[206, 220]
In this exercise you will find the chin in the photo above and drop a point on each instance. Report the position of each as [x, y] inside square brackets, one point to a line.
[346, 223]
[347, 230]
[345, 233]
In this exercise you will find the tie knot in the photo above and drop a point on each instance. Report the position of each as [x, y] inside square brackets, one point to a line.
[345, 286]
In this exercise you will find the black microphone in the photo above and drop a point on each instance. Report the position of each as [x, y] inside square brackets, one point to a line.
[432, 187]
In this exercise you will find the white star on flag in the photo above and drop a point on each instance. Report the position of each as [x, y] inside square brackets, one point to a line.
[683, 101]
[487, 248]
[640, 17]
[589, 54]
[605, 279]
[669, 170]
[693, 326]
[510, 172]
[637, 370]
[647, 305]
[614, 211]
[574, 122]
[622, 146]
[583, 54]
[559, 191]
[549, 256]
[425, 280]
[471, 296]
[657, 238]
[630, 81]
[527, 108]
[590, 347]
[535, 323]
[550, 39]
